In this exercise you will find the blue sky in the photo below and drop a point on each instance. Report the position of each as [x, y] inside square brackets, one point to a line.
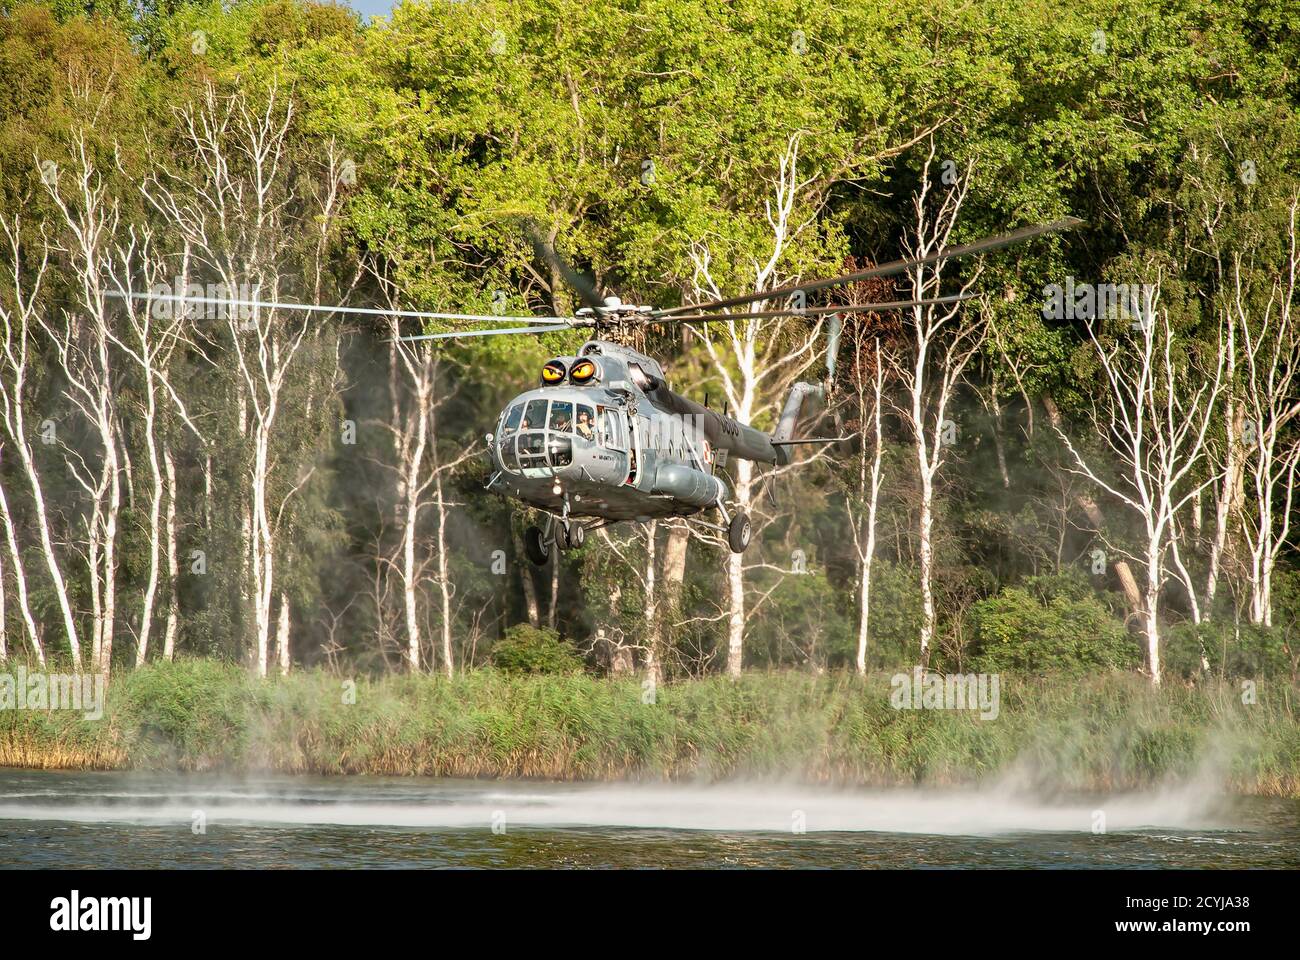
[371, 7]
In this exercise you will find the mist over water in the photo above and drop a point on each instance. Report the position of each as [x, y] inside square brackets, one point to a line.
[762, 808]
[119, 819]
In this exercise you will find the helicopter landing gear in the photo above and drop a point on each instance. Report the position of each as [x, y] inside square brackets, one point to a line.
[739, 532]
[570, 533]
[536, 546]
[573, 536]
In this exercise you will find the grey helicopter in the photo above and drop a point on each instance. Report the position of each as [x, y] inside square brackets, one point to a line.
[603, 439]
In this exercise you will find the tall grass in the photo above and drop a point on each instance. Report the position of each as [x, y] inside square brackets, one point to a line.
[1110, 731]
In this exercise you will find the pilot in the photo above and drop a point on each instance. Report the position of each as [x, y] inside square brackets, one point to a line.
[560, 423]
[584, 424]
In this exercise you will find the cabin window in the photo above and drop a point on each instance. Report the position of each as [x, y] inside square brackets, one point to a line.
[560, 448]
[613, 429]
[532, 449]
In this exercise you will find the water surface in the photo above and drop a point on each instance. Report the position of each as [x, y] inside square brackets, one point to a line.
[136, 820]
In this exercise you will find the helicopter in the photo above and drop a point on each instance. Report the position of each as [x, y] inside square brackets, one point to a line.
[603, 438]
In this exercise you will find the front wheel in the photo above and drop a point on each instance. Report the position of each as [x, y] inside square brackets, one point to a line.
[535, 546]
[738, 533]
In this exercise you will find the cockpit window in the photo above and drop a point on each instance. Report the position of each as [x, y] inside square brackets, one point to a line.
[540, 434]
[535, 415]
[512, 419]
[562, 416]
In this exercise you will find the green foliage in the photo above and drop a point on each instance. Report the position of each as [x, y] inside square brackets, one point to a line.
[1094, 733]
[804, 624]
[528, 649]
[1019, 630]
[460, 118]
[1240, 650]
[895, 615]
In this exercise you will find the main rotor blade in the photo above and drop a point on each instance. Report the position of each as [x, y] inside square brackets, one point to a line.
[887, 269]
[816, 311]
[543, 249]
[324, 308]
[550, 328]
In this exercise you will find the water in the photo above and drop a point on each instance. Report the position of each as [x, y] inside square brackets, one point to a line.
[75, 820]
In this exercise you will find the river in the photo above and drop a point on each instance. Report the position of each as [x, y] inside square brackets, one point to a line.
[141, 820]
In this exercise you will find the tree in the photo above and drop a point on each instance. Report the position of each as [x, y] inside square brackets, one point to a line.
[757, 360]
[868, 380]
[945, 337]
[1153, 420]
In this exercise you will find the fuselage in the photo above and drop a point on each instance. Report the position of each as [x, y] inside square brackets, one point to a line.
[618, 443]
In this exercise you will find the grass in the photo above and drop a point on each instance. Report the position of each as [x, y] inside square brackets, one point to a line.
[1107, 732]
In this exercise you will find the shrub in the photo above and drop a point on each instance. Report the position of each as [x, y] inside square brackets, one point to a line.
[803, 622]
[896, 615]
[1233, 650]
[528, 649]
[1017, 630]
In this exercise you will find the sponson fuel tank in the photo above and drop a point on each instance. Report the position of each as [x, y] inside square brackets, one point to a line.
[687, 484]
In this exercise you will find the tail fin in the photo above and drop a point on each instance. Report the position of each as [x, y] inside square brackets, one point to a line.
[793, 408]
[784, 433]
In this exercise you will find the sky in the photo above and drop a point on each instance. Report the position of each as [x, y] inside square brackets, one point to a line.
[370, 7]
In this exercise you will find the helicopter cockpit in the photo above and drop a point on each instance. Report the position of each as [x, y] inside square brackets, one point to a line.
[540, 434]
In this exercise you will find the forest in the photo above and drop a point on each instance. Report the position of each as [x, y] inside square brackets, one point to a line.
[1088, 465]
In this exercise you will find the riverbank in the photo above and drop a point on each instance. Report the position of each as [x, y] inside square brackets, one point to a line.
[1107, 732]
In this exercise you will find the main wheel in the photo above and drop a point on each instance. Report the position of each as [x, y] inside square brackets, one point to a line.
[535, 546]
[738, 533]
[573, 539]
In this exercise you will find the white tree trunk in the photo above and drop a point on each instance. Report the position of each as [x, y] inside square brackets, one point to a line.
[173, 563]
[865, 541]
[651, 604]
[736, 576]
[155, 534]
[444, 578]
[20, 580]
[1151, 613]
[282, 636]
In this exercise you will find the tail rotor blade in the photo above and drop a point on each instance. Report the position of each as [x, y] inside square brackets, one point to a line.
[834, 327]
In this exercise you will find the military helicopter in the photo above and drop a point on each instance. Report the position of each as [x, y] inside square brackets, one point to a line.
[603, 438]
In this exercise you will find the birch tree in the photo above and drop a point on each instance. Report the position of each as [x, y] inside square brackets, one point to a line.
[18, 309]
[868, 380]
[151, 334]
[944, 339]
[1270, 347]
[84, 343]
[236, 206]
[1153, 419]
[757, 360]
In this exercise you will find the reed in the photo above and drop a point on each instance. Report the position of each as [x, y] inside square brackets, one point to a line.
[1110, 731]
